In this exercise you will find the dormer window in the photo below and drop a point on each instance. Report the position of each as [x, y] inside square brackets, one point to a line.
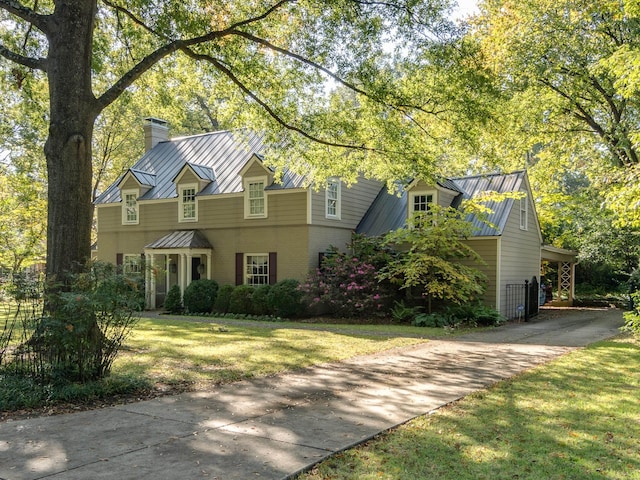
[420, 202]
[130, 213]
[255, 198]
[332, 198]
[188, 206]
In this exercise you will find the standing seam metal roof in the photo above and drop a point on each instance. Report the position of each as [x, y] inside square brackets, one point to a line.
[218, 157]
[389, 211]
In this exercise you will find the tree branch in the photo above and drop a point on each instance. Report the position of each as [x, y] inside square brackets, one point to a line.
[25, 13]
[29, 62]
[272, 113]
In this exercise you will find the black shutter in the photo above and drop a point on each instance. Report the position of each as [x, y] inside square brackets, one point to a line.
[273, 268]
[119, 258]
[239, 268]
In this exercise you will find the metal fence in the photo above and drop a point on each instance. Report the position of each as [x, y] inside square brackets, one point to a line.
[523, 299]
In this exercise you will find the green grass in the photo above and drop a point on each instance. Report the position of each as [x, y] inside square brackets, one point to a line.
[177, 351]
[576, 418]
[176, 354]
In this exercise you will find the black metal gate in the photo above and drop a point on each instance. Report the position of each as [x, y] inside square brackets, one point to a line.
[523, 299]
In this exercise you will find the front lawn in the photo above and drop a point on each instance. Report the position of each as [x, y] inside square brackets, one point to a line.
[171, 355]
[576, 418]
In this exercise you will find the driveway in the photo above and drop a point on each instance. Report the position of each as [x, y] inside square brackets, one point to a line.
[272, 428]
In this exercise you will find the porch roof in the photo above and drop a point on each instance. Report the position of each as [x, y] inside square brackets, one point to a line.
[181, 239]
[555, 254]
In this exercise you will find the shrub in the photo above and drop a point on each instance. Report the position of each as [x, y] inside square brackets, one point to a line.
[403, 313]
[261, 300]
[221, 303]
[241, 299]
[476, 314]
[173, 300]
[200, 295]
[77, 334]
[347, 286]
[433, 320]
[285, 299]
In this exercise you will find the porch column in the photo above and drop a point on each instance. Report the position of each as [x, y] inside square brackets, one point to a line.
[208, 258]
[152, 286]
[183, 272]
[167, 269]
[189, 269]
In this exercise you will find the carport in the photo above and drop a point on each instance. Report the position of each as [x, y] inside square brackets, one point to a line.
[565, 283]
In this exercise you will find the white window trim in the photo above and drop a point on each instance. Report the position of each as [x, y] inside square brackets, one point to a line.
[413, 195]
[245, 265]
[125, 219]
[247, 205]
[524, 213]
[338, 214]
[181, 189]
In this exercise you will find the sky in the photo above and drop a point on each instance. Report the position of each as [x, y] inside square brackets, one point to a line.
[465, 8]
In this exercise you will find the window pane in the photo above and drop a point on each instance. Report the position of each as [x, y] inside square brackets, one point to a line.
[131, 207]
[189, 203]
[257, 269]
[421, 202]
[332, 199]
[256, 198]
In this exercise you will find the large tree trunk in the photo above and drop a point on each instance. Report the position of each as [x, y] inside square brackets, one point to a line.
[73, 112]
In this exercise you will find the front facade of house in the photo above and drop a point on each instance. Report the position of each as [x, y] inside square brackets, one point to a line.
[206, 206]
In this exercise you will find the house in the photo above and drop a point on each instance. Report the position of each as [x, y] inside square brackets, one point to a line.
[509, 240]
[206, 206]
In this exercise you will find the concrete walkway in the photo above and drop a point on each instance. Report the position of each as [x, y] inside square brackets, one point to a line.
[274, 427]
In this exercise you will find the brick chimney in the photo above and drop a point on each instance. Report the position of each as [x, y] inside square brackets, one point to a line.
[156, 130]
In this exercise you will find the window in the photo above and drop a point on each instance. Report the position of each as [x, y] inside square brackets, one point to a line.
[420, 202]
[256, 269]
[130, 207]
[332, 198]
[524, 213]
[255, 199]
[131, 264]
[188, 210]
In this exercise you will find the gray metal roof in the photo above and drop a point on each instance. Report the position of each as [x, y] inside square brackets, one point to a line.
[181, 239]
[216, 157]
[389, 211]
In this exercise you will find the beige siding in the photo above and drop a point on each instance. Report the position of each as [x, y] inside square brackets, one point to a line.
[520, 250]
[255, 170]
[188, 177]
[354, 203]
[221, 220]
[487, 248]
[129, 184]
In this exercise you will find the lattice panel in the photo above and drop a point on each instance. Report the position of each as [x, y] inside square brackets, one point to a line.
[565, 278]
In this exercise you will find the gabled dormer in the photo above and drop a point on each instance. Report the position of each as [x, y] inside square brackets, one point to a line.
[190, 180]
[256, 177]
[133, 185]
[421, 195]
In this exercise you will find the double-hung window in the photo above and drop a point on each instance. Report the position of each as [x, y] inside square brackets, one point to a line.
[332, 198]
[188, 205]
[255, 198]
[257, 269]
[130, 212]
[524, 214]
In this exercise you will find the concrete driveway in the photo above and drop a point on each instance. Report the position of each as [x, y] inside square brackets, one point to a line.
[272, 428]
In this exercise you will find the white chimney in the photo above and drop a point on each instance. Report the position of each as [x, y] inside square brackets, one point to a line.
[156, 130]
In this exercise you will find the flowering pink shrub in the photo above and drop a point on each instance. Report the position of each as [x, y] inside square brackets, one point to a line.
[346, 287]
